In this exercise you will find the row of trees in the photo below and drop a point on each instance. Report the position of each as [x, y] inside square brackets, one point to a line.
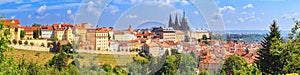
[26, 42]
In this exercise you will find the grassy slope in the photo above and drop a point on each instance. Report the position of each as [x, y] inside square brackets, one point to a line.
[42, 58]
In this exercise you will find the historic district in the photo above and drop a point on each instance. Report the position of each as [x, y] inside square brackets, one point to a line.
[155, 41]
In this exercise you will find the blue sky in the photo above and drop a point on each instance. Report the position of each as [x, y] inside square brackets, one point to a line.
[237, 14]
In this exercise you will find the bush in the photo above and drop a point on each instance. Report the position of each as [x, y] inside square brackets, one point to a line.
[20, 42]
[26, 42]
[43, 45]
[15, 41]
[31, 43]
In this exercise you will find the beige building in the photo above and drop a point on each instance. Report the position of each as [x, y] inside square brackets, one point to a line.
[152, 48]
[167, 34]
[199, 35]
[64, 32]
[102, 40]
[15, 28]
[29, 32]
[180, 35]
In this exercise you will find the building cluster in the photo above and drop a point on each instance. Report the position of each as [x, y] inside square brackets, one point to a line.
[211, 57]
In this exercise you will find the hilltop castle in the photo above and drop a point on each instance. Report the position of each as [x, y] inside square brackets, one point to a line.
[182, 25]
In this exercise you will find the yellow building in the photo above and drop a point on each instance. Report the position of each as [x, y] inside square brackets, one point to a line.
[15, 28]
[102, 39]
[28, 32]
[180, 35]
[199, 35]
[64, 32]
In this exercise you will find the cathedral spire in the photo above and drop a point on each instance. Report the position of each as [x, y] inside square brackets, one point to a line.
[170, 21]
[176, 21]
[183, 14]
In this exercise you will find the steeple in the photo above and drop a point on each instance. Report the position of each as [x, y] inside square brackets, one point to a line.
[176, 21]
[183, 15]
[171, 24]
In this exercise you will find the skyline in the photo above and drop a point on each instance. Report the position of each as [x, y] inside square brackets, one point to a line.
[248, 15]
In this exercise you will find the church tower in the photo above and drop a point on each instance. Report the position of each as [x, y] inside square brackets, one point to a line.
[177, 26]
[171, 24]
[184, 23]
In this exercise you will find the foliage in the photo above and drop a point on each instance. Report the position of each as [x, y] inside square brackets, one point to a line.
[36, 25]
[22, 34]
[15, 41]
[26, 42]
[31, 43]
[204, 37]
[67, 48]
[20, 42]
[43, 45]
[236, 65]
[59, 61]
[268, 62]
[54, 39]
[35, 34]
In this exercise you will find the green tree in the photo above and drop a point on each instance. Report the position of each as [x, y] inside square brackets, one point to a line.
[54, 39]
[267, 62]
[204, 37]
[26, 42]
[22, 34]
[20, 42]
[35, 34]
[290, 53]
[36, 25]
[67, 48]
[31, 43]
[43, 45]
[7, 66]
[59, 61]
[15, 41]
[236, 65]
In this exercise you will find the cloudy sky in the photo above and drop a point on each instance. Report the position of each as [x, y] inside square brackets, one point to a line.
[237, 14]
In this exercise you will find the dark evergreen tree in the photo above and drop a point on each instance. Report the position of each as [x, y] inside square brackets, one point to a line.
[266, 60]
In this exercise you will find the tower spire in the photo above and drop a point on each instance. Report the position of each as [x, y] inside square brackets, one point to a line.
[170, 21]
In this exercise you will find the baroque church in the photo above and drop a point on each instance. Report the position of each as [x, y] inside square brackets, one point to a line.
[182, 25]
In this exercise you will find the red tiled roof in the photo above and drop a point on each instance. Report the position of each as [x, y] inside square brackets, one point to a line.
[46, 27]
[12, 23]
[29, 28]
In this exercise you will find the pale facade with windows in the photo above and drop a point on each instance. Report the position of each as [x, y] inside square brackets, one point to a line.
[102, 39]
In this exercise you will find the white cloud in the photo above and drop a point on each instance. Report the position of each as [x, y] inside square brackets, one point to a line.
[135, 1]
[227, 9]
[42, 9]
[72, 17]
[289, 16]
[65, 5]
[248, 6]
[131, 16]
[91, 7]
[196, 12]
[10, 1]
[42, 16]
[21, 8]
[35, 0]
[243, 13]
[113, 9]
[69, 11]
[12, 17]
[185, 2]
[178, 12]
[29, 16]
[241, 20]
